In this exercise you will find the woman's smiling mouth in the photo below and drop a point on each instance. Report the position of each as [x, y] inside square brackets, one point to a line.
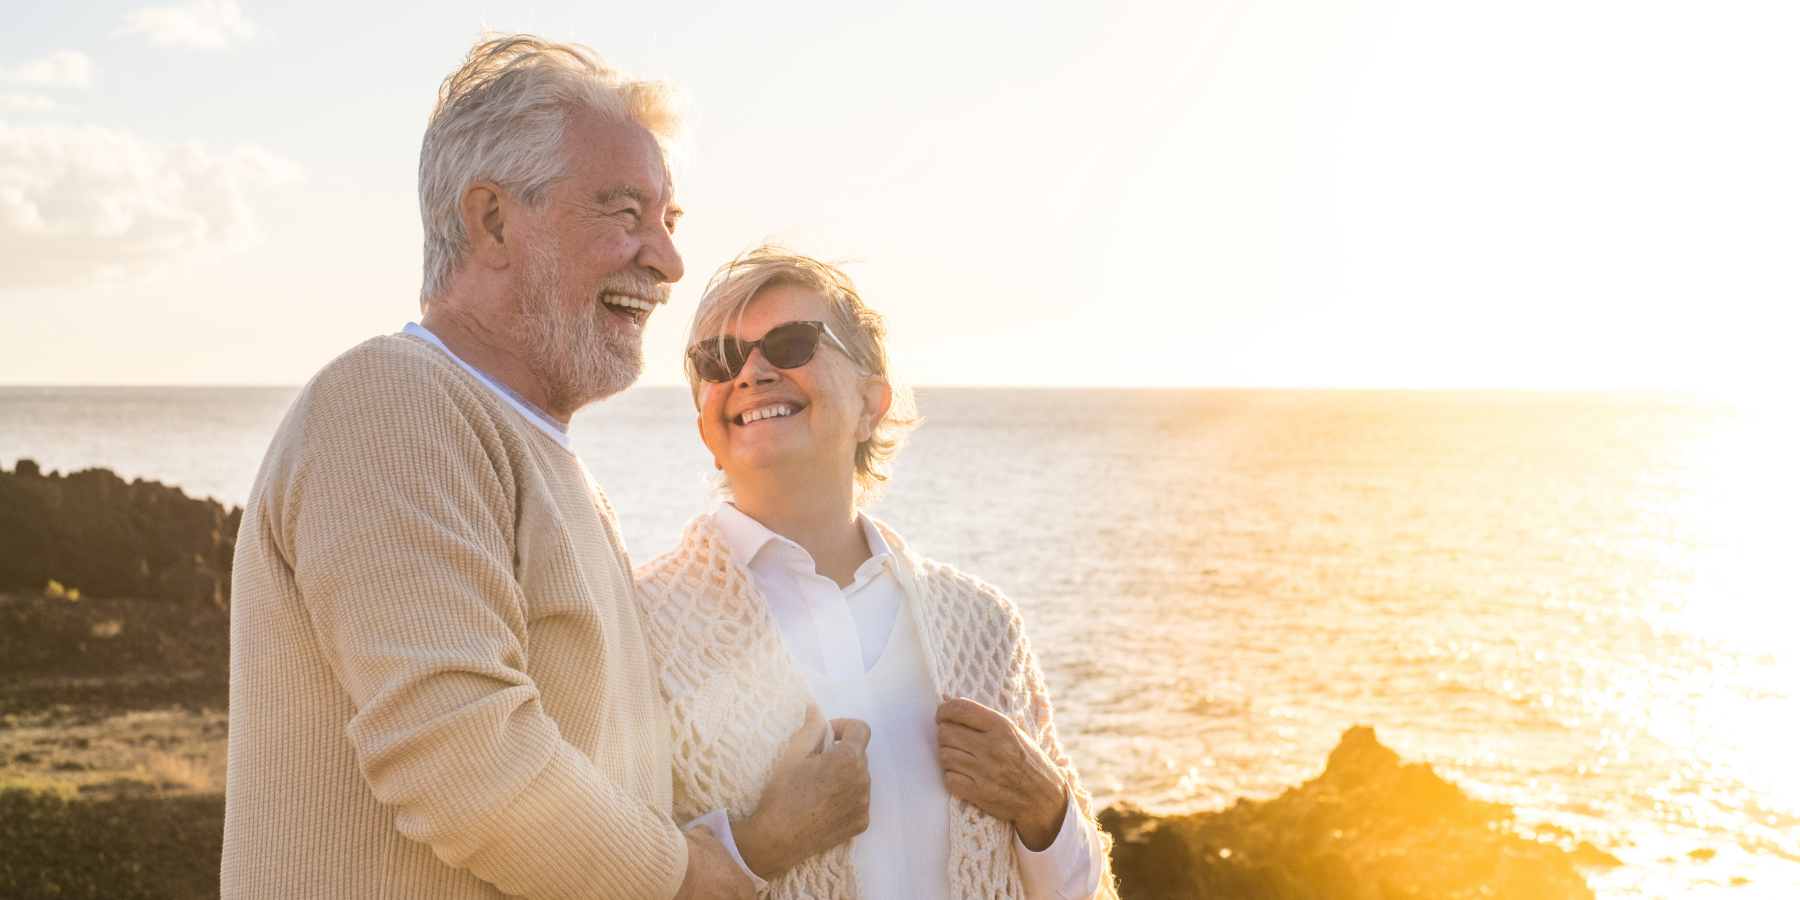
[765, 412]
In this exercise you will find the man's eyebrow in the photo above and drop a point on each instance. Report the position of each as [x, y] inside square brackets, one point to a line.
[625, 191]
[676, 212]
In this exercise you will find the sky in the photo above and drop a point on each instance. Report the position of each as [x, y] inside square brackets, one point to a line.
[1281, 193]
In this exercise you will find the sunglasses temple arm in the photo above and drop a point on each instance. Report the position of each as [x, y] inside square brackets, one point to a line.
[840, 344]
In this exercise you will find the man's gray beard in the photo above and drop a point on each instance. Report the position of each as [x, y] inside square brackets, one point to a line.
[581, 355]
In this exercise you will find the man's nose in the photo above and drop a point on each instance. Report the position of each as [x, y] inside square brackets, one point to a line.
[659, 255]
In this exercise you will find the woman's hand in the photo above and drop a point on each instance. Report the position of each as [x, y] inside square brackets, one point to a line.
[991, 763]
[817, 798]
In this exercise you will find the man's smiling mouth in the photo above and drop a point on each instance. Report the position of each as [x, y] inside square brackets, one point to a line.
[765, 412]
[637, 308]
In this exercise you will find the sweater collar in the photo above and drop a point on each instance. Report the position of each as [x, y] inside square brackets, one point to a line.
[558, 431]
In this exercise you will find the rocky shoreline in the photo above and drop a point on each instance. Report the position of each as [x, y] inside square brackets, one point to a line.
[114, 648]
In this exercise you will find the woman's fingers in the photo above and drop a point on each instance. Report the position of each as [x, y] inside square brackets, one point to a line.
[808, 739]
[961, 786]
[989, 762]
[852, 731]
[814, 801]
[950, 734]
[968, 713]
[960, 761]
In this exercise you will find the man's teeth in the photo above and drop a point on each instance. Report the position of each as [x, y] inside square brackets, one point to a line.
[767, 412]
[627, 301]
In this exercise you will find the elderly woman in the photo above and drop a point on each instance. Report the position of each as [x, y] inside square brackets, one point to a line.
[789, 598]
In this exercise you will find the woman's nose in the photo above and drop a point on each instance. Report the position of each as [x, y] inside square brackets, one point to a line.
[756, 370]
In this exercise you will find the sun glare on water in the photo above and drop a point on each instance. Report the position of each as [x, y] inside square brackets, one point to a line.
[1727, 708]
[1746, 597]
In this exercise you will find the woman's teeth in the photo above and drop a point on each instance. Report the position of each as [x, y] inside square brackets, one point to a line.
[767, 412]
[627, 301]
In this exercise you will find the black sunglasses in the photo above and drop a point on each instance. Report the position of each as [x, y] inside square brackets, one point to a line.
[789, 345]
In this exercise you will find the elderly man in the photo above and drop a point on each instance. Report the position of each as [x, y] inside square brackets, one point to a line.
[439, 684]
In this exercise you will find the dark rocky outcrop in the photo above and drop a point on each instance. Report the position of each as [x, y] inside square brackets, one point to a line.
[98, 657]
[94, 533]
[1369, 828]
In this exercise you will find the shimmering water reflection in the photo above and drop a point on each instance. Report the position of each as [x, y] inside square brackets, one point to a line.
[1571, 603]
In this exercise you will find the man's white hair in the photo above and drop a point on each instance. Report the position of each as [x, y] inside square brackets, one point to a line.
[501, 118]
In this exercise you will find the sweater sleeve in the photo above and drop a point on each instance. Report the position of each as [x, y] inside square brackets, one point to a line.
[397, 519]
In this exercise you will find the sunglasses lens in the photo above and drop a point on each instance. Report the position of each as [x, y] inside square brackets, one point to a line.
[718, 363]
[790, 345]
[784, 346]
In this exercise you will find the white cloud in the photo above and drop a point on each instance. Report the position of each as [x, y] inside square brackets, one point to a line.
[199, 24]
[81, 204]
[59, 68]
[28, 102]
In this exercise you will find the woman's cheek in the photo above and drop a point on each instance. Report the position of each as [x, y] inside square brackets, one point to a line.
[714, 430]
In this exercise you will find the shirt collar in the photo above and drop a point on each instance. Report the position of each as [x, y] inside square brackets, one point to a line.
[744, 535]
[747, 537]
[558, 431]
[878, 546]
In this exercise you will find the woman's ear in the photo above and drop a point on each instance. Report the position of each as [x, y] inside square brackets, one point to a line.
[877, 396]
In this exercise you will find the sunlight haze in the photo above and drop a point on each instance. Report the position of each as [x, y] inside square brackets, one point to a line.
[1360, 194]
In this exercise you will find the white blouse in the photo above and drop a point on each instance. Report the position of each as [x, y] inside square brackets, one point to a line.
[862, 659]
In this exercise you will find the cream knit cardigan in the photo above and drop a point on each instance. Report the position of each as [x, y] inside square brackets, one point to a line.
[439, 682]
[736, 695]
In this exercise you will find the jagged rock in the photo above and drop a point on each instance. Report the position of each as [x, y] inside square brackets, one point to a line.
[1369, 828]
[95, 533]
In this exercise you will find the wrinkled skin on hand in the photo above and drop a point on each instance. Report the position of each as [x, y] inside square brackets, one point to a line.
[711, 872]
[992, 763]
[817, 799]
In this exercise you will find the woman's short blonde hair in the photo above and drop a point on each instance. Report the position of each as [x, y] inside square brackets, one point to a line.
[861, 328]
[501, 118]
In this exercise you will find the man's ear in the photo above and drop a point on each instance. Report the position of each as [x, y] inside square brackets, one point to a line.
[877, 395]
[485, 207]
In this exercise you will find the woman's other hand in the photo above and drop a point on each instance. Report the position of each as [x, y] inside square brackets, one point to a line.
[991, 763]
[817, 799]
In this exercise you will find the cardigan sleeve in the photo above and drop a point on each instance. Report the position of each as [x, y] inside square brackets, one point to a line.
[1035, 719]
[397, 520]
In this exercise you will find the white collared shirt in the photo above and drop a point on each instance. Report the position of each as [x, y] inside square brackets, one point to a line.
[837, 631]
[842, 632]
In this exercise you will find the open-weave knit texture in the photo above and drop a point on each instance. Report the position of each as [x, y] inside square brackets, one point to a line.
[439, 681]
[736, 695]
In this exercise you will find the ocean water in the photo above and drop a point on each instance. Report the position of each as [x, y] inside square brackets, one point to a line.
[1578, 604]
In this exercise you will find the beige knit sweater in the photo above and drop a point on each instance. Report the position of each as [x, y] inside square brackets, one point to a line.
[439, 681]
[736, 695]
